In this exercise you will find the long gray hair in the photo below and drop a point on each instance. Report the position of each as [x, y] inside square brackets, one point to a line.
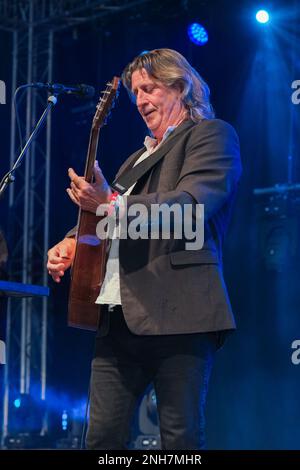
[173, 70]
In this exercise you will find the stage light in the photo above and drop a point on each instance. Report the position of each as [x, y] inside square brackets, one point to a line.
[197, 34]
[17, 402]
[262, 16]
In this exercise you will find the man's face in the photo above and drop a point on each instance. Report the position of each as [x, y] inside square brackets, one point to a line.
[159, 106]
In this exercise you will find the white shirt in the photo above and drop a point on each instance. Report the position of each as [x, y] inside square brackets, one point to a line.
[110, 292]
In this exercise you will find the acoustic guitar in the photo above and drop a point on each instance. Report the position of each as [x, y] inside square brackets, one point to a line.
[88, 269]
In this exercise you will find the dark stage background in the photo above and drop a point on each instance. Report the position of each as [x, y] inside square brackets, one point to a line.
[253, 401]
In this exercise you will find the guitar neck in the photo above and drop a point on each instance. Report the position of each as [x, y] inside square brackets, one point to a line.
[91, 154]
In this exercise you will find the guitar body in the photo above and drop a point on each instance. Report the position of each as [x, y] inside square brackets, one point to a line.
[87, 275]
[89, 265]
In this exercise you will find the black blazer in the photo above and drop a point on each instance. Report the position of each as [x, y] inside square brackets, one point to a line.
[166, 289]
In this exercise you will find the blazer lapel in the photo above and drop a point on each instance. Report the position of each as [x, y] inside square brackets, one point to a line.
[127, 175]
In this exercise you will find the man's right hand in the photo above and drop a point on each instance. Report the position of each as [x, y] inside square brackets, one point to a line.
[60, 258]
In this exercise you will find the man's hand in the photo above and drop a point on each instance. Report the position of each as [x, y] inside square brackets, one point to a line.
[60, 258]
[89, 196]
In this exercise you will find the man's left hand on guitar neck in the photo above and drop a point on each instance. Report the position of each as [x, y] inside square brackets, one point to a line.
[86, 195]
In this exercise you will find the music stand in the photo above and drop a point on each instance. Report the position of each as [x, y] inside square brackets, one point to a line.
[17, 289]
[14, 289]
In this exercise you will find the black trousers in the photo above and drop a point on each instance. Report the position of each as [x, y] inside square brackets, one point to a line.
[125, 364]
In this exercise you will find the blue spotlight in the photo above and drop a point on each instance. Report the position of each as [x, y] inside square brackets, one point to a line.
[262, 16]
[17, 402]
[197, 34]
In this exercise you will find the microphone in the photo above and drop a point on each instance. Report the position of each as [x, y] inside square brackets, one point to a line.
[85, 91]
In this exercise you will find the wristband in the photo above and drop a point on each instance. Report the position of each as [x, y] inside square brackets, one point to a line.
[113, 203]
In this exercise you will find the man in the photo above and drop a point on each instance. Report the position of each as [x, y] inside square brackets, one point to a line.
[165, 309]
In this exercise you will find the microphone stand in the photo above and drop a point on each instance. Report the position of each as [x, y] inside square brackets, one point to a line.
[9, 177]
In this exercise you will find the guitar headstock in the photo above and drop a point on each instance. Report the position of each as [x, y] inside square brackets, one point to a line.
[106, 102]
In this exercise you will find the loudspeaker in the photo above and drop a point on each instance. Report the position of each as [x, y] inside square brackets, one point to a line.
[145, 429]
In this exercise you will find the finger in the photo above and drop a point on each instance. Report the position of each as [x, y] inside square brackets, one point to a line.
[55, 259]
[72, 197]
[75, 191]
[56, 276]
[74, 188]
[53, 272]
[99, 178]
[55, 267]
[74, 177]
[65, 253]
